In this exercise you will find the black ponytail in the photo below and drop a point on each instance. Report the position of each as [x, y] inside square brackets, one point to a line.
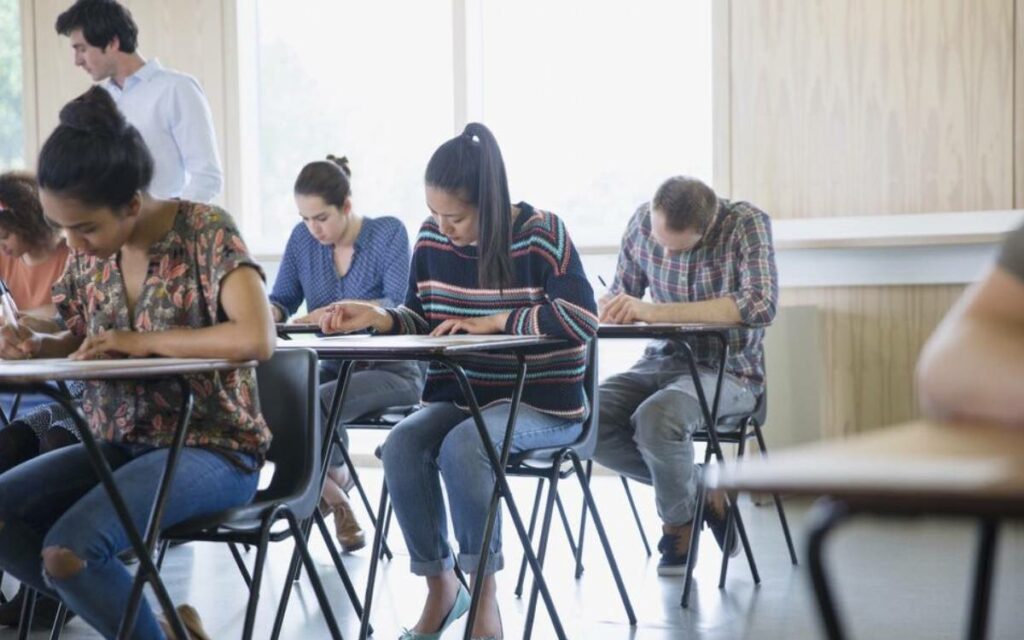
[470, 167]
[94, 156]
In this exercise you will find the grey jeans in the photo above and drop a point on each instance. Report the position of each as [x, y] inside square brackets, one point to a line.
[384, 385]
[646, 423]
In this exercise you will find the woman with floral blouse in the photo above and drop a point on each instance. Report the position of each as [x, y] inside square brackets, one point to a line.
[146, 277]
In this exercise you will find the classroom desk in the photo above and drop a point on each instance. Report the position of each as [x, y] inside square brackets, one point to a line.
[446, 351]
[919, 468]
[33, 376]
[716, 331]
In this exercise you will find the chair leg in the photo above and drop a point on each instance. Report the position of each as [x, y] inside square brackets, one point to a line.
[588, 500]
[698, 521]
[164, 544]
[545, 530]
[583, 526]
[636, 515]
[3, 598]
[729, 531]
[314, 577]
[375, 557]
[387, 528]
[339, 566]
[568, 533]
[529, 532]
[290, 579]
[983, 569]
[257, 576]
[240, 563]
[339, 443]
[59, 619]
[778, 500]
[28, 609]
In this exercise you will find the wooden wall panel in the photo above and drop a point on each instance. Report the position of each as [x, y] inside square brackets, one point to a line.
[1018, 102]
[872, 338]
[186, 35]
[848, 107]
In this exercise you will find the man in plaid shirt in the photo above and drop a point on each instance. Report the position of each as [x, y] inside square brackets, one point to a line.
[704, 259]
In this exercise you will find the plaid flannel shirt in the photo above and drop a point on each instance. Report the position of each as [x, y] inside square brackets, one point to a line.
[734, 259]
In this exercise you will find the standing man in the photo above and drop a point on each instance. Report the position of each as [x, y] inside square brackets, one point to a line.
[168, 108]
[705, 260]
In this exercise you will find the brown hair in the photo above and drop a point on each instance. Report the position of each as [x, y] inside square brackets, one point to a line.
[687, 203]
[20, 210]
[328, 179]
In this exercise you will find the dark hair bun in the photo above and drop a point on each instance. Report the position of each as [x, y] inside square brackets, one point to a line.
[94, 112]
[341, 162]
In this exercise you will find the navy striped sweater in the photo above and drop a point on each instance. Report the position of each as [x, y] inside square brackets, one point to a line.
[550, 296]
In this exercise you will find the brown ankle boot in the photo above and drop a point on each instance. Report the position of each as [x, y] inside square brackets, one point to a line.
[675, 549]
[347, 528]
[190, 618]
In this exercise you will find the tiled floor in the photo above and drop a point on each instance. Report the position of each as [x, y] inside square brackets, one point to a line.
[897, 579]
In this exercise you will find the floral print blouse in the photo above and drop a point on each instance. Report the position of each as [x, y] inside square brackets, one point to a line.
[181, 290]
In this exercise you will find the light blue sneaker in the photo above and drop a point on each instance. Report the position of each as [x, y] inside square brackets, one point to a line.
[459, 609]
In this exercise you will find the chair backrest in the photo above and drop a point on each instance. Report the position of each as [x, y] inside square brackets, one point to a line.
[587, 441]
[288, 390]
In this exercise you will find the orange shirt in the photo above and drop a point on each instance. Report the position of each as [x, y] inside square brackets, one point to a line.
[30, 285]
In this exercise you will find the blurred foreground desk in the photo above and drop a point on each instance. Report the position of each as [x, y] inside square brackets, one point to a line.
[920, 468]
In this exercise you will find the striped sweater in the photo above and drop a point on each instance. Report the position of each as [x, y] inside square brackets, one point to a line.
[550, 296]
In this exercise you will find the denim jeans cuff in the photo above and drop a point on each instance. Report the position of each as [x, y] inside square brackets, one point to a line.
[469, 562]
[429, 568]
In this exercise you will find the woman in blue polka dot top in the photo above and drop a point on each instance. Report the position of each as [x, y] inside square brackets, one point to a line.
[336, 254]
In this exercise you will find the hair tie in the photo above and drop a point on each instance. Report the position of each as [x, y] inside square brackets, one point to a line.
[3, 206]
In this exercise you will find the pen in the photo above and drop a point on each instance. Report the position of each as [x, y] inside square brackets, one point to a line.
[603, 283]
[10, 310]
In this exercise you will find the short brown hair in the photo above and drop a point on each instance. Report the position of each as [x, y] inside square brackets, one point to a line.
[687, 203]
[20, 210]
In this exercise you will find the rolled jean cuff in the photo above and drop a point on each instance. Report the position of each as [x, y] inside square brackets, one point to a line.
[469, 562]
[428, 568]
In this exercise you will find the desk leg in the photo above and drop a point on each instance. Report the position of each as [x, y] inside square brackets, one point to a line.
[502, 489]
[147, 571]
[822, 519]
[987, 538]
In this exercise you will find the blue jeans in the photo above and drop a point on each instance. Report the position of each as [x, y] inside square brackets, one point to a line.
[55, 500]
[442, 437]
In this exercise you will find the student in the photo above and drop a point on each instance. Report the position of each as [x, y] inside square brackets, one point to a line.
[481, 265]
[705, 260]
[32, 255]
[336, 254]
[146, 277]
[32, 258]
[168, 108]
[972, 367]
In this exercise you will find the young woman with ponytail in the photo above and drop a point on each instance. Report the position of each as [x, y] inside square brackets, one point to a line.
[480, 265]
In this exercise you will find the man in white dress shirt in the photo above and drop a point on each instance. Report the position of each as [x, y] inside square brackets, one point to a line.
[167, 107]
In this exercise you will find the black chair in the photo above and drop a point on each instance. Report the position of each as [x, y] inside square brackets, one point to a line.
[289, 402]
[735, 430]
[556, 463]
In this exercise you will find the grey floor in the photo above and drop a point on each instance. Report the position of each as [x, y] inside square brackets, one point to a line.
[896, 579]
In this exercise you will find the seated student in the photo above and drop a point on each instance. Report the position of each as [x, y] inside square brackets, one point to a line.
[32, 258]
[972, 367]
[481, 265]
[704, 259]
[146, 277]
[32, 254]
[336, 254]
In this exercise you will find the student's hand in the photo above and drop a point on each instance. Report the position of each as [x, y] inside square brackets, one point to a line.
[132, 344]
[485, 325]
[346, 317]
[623, 309]
[313, 317]
[37, 323]
[18, 342]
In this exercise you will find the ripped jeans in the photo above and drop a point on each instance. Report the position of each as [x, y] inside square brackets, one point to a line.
[56, 501]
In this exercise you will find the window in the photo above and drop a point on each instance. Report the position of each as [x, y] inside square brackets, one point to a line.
[12, 139]
[594, 102]
[348, 78]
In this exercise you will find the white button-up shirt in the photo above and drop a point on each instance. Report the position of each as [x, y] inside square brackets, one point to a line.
[170, 111]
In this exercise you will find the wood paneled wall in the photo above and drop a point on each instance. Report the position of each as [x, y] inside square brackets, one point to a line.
[869, 107]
